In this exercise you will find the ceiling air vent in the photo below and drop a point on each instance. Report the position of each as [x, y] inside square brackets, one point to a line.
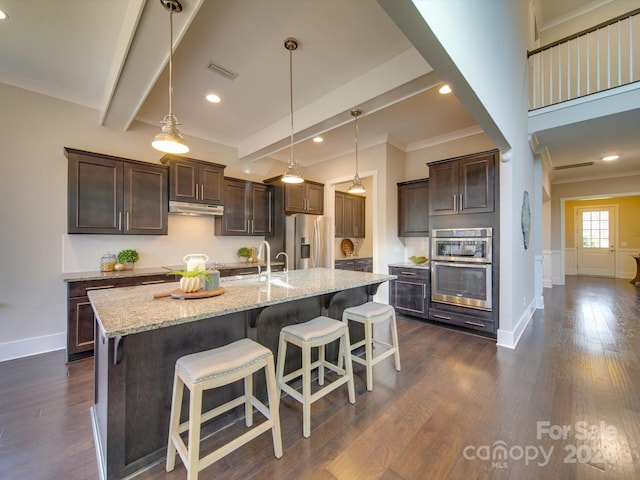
[573, 165]
[225, 72]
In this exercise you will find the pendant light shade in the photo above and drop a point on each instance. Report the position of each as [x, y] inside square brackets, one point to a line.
[169, 139]
[356, 185]
[292, 174]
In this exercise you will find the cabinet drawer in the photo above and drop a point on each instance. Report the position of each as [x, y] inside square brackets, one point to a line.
[345, 264]
[80, 289]
[461, 320]
[408, 273]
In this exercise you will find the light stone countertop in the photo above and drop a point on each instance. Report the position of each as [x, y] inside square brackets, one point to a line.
[127, 310]
[424, 265]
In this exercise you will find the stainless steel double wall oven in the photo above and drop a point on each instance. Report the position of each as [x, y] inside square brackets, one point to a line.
[461, 267]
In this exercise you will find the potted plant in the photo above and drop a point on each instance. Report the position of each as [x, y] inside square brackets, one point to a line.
[244, 252]
[191, 280]
[127, 258]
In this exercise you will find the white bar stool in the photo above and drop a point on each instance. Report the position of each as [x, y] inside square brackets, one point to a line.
[318, 332]
[369, 314]
[215, 368]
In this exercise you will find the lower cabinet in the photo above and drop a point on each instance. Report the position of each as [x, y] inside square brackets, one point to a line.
[80, 321]
[363, 264]
[470, 318]
[410, 292]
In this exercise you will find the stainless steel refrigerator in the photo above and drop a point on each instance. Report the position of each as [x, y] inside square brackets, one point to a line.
[308, 240]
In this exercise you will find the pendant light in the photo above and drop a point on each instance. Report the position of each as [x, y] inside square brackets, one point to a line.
[356, 185]
[170, 140]
[292, 174]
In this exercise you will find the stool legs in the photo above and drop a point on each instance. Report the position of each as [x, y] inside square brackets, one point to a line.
[174, 420]
[274, 407]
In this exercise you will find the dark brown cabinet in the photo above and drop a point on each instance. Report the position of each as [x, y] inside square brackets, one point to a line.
[307, 197]
[462, 185]
[413, 208]
[195, 181]
[112, 195]
[410, 292]
[248, 209]
[350, 217]
[80, 320]
[360, 264]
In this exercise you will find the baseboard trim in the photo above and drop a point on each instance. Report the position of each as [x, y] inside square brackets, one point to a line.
[510, 338]
[32, 346]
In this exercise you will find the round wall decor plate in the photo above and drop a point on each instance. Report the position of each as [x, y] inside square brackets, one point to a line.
[347, 247]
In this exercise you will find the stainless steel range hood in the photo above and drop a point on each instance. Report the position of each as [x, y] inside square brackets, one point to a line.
[186, 208]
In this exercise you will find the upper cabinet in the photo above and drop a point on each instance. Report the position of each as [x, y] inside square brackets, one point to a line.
[195, 181]
[248, 209]
[112, 195]
[307, 197]
[413, 208]
[462, 184]
[350, 215]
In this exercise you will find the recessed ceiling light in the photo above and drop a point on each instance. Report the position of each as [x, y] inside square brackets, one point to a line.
[608, 158]
[213, 98]
[445, 89]
[318, 139]
[2, 15]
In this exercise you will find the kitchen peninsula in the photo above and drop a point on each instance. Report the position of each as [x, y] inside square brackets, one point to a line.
[139, 339]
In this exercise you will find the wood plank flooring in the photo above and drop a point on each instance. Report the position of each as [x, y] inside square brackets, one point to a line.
[461, 408]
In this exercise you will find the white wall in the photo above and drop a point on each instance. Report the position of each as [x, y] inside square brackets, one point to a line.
[36, 249]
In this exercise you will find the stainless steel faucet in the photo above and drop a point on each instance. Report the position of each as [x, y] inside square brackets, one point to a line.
[268, 256]
[286, 260]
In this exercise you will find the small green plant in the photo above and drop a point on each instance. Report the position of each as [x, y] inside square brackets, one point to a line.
[244, 252]
[128, 256]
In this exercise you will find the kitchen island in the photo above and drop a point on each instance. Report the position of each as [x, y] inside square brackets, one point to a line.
[139, 339]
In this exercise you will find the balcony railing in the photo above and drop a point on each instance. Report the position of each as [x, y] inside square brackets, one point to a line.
[596, 59]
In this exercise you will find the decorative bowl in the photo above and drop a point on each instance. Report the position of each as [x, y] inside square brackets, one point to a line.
[418, 260]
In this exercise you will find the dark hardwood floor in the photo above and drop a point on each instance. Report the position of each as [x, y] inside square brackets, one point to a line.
[564, 405]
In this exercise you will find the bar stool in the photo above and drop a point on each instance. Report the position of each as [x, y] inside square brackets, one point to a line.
[318, 332]
[215, 368]
[369, 314]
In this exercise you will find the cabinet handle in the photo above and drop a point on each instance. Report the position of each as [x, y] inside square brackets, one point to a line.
[202, 191]
[475, 324]
[408, 273]
[197, 191]
[151, 282]
[126, 216]
[119, 221]
[461, 203]
[99, 288]
[442, 317]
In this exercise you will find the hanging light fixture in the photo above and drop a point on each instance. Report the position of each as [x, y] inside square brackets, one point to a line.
[292, 174]
[170, 140]
[356, 185]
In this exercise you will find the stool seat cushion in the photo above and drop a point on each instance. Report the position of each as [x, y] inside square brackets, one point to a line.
[369, 309]
[314, 329]
[220, 361]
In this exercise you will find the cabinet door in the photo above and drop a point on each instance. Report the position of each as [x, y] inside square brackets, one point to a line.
[339, 214]
[443, 188]
[359, 218]
[315, 198]
[409, 297]
[413, 209]
[476, 184]
[184, 181]
[146, 202]
[261, 210]
[294, 198]
[80, 326]
[95, 199]
[211, 179]
[235, 220]
[348, 216]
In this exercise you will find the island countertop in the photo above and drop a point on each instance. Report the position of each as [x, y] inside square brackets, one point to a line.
[128, 310]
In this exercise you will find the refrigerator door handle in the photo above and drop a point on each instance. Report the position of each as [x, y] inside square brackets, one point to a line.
[316, 244]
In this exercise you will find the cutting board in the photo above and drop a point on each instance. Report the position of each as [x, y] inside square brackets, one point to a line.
[179, 294]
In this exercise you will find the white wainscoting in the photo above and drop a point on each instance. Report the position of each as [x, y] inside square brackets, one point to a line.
[625, 263]
[557, 267]
[547, 269]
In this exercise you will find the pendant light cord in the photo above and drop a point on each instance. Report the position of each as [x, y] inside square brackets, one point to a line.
[357, 145]
[291, 100]
[170, 62]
